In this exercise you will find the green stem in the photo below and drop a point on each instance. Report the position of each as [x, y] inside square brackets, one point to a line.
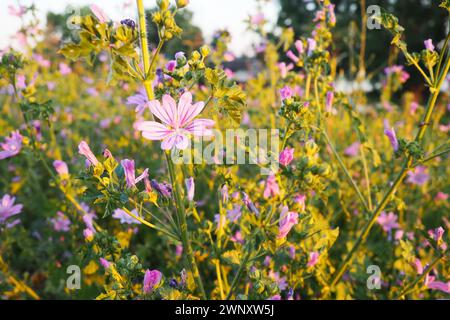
[238, 275]
[347, 174]
[187, 249]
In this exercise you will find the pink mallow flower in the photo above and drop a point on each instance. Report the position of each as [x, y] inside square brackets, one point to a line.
[9, 209]
[419, 176]
[61, 223]
[177, 122]
[388, 221]
[272, 189]
[286, 93]
[353, 149]
[286, 156]
[152, 279]
[287, 221]
[313, 259]
[11, 146]
[130, 174]
[83, 149]
[429, 280]
[437, 235]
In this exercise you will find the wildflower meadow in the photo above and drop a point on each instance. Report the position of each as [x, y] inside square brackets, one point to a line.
[138, 165]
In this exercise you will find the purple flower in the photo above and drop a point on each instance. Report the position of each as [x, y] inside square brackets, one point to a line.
[130, 175]
[280, 281]
[286, 156]
[164, 189]
[287, 220]
[61, 167]
[390, 133]
[437, 235]
[171, 65]
[139, 100]
[129, 23]
[234, 214]
[300, 200]
[61, 223]
[83, 149]
[190, 187]
[331, 14]
[249, 204]
[353, 149]
[9, 209]
[292, 252]
[272, 189]
[177, 122]
[429, 45]
[419, 176]
[313, 259]
[124, 217]
[286, 93]
[152, 279]
[11, 146]
[388, 221]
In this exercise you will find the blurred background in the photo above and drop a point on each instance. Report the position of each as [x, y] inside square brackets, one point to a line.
[203, 18]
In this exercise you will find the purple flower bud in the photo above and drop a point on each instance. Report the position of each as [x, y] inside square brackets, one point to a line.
[171, 65]
[329, 101]
[390, 133]
[287, 221]
[312, 44]
[129, 23]
[249, 204]
[190, 187]
[429, 45]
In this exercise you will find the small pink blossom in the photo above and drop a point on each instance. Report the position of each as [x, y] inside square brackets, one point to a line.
[429, 45]
[12, 145]
[441, 196]
[130, 174]
[272, 189]
[64, 69]
[152, 279]
[286, 93]
[419, 176]
[390, 133]
[61, 223]
[313, 259]
[83, 149]
[353, 149]
[8, 209]
[287, 220]
[177, 122]
[286, 156]
[17, 12]
[105, 263]
[388, 221]
[284, 68]
[329, 101]
[61, 167]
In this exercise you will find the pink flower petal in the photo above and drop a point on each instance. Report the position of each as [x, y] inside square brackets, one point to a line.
[168, 142]
[170, 108]
[200, 127]
[191, 113]
[184, 105]
[182, 142]
[153, 130]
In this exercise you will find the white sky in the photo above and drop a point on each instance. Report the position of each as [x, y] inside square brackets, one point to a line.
[210, 15]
